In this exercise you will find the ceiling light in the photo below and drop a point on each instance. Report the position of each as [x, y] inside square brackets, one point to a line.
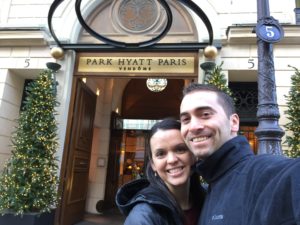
[156, 84]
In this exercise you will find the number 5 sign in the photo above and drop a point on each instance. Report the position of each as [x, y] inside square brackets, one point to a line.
[269, 30]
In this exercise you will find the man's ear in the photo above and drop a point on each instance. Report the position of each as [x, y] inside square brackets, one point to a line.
[234, 123]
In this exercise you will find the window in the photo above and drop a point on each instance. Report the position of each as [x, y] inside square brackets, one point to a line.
[24, 95]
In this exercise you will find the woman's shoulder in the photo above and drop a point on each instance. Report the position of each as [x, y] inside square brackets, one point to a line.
[128, 191]
[144, 213]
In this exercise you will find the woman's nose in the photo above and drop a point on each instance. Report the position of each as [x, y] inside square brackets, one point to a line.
[172, 157]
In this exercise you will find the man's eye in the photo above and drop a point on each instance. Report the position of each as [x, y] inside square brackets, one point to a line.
[206, 114]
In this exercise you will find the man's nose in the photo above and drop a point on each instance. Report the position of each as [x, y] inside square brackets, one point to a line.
[196, 124]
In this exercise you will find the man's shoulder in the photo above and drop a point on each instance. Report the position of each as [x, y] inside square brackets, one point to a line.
[272, 160]
[267, 165]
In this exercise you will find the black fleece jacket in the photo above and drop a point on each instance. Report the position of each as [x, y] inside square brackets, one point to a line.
[245, 189]
[144, 204]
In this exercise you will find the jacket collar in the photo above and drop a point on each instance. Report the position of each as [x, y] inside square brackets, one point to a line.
[141, 190]
[127, 193]
[229, 154]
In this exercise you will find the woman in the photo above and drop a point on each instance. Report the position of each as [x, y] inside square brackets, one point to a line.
[170, 195]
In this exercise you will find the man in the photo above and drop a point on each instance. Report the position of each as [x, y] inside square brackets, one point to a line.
[243, 188]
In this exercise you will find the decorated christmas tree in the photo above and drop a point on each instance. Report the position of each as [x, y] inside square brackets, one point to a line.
[217, 78]
[29, 179]
[293, 114]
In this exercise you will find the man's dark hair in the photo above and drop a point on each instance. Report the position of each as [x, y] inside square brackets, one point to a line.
[224, 99]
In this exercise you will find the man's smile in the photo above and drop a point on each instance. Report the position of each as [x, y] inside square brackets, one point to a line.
[200, 139]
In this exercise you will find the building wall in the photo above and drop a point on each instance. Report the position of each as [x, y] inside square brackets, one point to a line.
[25, 48]
[11, 87]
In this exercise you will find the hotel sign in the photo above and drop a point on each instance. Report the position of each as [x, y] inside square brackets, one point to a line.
[168, 64]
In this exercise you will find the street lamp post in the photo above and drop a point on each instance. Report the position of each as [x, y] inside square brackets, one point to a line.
[268, 132]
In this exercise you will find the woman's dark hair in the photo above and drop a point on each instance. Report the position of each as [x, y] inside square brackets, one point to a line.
[195, 194]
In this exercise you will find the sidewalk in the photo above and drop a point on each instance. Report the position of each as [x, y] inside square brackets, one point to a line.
[111, 217]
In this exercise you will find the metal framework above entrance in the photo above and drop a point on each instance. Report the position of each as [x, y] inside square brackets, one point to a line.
[149, 45]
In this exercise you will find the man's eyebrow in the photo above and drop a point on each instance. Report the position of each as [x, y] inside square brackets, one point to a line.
[204, 108]
[197, 109]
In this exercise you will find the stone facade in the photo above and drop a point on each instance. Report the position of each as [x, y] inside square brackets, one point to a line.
[25, 44]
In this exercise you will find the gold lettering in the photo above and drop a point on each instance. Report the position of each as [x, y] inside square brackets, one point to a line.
[172, 62]
[153, 63]
[149, 61]
[109, 62]
[98, 61]
[135, 62]
[121, 62]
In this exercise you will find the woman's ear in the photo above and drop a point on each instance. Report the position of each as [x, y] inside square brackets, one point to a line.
[152, 166]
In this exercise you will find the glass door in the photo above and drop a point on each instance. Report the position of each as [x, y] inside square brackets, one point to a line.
[132, 155]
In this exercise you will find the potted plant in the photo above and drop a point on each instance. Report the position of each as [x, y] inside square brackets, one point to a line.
[28, 184]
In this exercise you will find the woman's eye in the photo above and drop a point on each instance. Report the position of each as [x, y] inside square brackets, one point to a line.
[159, 154]
[182, 149]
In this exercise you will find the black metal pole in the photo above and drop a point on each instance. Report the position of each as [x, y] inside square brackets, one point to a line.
[268, 132]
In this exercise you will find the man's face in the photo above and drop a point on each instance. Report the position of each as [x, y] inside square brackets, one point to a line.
[204, 125]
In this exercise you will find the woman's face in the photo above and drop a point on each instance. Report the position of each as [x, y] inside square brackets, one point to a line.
[171, 159]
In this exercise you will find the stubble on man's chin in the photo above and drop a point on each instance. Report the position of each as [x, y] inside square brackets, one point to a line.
[198, 156]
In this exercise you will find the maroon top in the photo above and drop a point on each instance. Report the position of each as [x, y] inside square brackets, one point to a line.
[191, 215]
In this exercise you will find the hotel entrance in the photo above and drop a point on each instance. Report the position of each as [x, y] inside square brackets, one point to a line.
[116, 57]
[132, 155]
[125, 110]
[129, 137]
[133, 150]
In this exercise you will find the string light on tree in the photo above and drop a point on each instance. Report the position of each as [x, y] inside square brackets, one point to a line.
[293, 114]
[217, 78]
[25, 185]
